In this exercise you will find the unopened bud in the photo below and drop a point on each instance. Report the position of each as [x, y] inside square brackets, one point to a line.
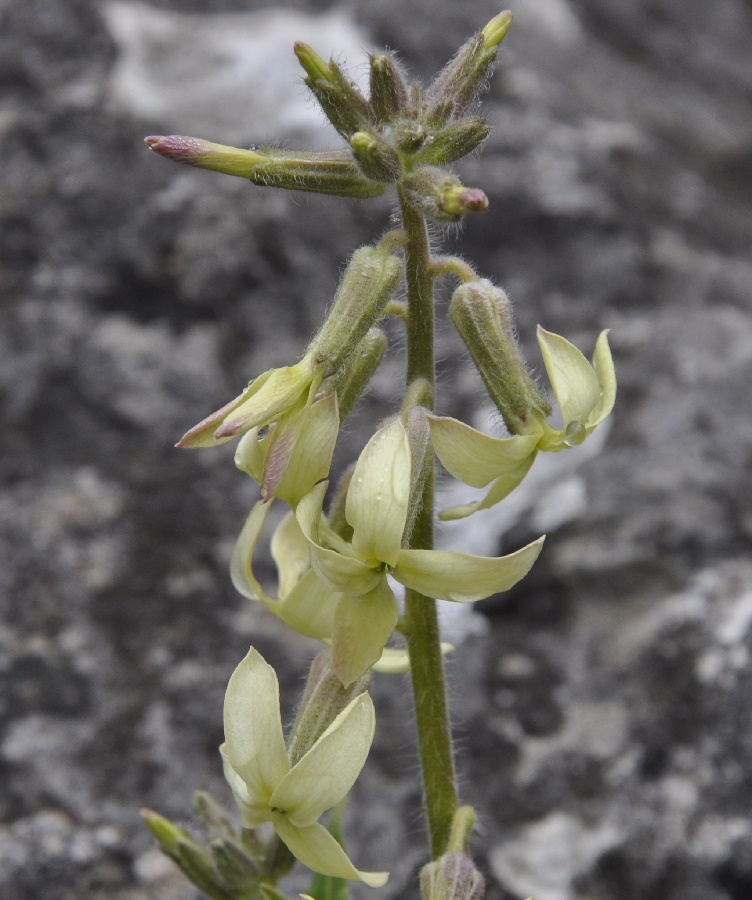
[389, 90]
[482, 314]
[453, 142]
[451, 877]
[190, 856]
[409, 135]
[465, 76]
[343, 104]
[366, 287]
[328, 172]
[357, 370]
[324, 698]
[441, 196]
[375, 156]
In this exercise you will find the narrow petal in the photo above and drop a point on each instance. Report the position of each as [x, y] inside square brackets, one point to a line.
[572, 377]
[325, 774]
[501, 488]
[362, 626]
[446, 575]
[476, 458]
[343, 573]
[396, 660]
[318, 850]
[603, 364]
[250, 453]
[254, 743]
[378, 495]
[241, 562]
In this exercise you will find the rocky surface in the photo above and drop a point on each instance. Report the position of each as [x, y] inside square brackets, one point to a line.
[602, 711]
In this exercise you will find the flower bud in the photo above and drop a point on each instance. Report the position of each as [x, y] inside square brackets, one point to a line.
[329, 172]
[375, 156]
[451, 877]
[323, 700]
[343, 104]
[482, 314]
[441, 196]
[453, 142]
[465, 76]
[357, 370]
[388, 87]
[366, 287]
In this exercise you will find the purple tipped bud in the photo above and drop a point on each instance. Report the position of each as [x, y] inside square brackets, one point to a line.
[452, 877]
[441, 196]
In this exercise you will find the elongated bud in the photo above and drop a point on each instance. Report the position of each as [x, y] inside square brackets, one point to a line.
[329, 172]
[465, 76]
[441, 196]
[364, 291]
[389, 91]
[187, 853]
[452, 877]
[375, 156]
[324, 698]
[482, 314]
[453, 142]
[343, 104]
[358, 369]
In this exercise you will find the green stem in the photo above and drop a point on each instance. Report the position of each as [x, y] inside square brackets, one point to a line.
[421, 616]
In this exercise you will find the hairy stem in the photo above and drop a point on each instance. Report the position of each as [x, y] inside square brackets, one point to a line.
[421, 617]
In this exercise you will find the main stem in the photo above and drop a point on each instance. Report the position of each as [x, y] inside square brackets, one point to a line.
[421, 616]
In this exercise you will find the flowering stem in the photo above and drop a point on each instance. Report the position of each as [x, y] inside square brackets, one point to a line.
[421, 617]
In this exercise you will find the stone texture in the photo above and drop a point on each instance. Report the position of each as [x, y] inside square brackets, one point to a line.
[602, 713]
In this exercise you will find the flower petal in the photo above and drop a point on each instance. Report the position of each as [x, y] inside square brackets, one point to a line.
[572, 377]
[310, 607]
[603, 364]
[254, 744]
[241, 562]
[501, 488]
[302, 451]
[362, 626]
[461, 577]
[343, 573]
[396, 660]
[318, 850]
[279, 391]
[476, 458]
[378, 495]
[255, 811]
[202, 434]
[325, 774]
[290, 551]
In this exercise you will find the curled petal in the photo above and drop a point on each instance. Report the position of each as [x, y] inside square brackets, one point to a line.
[289, 549]
[325, 774]
[476, 458]
[241, 562]
[254, 744]
[603, 364]
[572, 377]
[446, 575]
[501, 488]
[318, 850]
[378, 495]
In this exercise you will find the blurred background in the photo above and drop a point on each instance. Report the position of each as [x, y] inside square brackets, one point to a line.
[604, 728]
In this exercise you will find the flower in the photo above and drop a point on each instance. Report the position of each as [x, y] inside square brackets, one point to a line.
[267, 398]
[376, 508]
[267, 788]
[304, 601]
[585, 394]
